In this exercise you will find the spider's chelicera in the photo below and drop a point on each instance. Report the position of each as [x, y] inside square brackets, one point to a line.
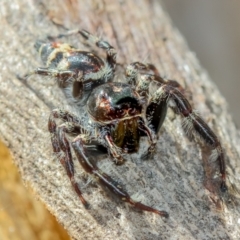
[117, 113]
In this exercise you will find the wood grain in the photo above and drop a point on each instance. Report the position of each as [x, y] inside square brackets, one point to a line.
[22, 216]
[179, 179]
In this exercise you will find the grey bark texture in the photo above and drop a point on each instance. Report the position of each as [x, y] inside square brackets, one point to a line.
[179, 180]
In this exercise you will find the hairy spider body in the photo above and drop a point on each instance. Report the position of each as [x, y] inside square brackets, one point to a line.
[116, 114]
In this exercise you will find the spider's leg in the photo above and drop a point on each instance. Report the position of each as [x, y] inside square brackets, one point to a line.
[192, 122]
[89, 166]
[113, 149]
[68, 80]
[61, 146]
[141, 82]
[142, 126]
[111, 52]
[62, 76]
[156, 110]
[66, 116]
[134, 69]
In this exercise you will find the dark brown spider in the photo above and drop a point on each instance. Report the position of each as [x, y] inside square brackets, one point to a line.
[114, 115]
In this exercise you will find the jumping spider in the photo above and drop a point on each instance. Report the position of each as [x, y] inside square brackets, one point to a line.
[117, 113]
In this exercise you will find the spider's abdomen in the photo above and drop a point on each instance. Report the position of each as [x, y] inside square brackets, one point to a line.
[86, 61]
[52, 53]
[65, 57]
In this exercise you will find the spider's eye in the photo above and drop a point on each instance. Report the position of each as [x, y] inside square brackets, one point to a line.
[132, 111]
[120, 111]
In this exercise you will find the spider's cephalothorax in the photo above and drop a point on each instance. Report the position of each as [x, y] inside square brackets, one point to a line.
[116, 113]
[117, 105]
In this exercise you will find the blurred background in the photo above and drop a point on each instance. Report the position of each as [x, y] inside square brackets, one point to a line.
[212, 31]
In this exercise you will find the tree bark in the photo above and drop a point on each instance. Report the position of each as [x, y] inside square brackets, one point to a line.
[179, 180]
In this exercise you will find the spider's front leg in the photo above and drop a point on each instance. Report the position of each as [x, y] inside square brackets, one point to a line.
[134, 68]
[61, 145]
[137, 75]
[89, 165]
[192, 122]
[152, 137]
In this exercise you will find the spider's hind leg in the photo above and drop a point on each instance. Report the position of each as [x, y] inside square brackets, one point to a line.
[88, 164]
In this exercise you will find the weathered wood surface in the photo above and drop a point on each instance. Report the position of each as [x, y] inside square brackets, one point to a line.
[179, 179]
